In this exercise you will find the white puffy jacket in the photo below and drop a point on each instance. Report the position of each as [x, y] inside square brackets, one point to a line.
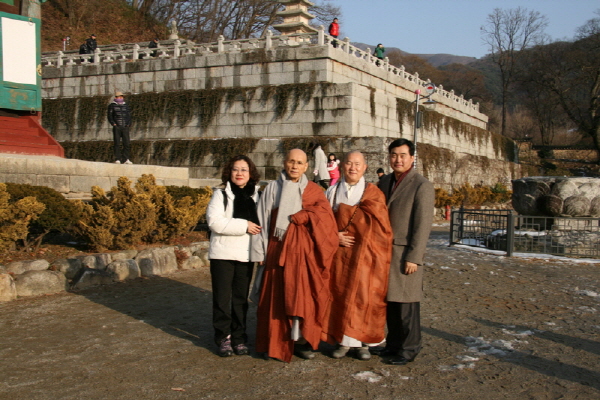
[229, 239]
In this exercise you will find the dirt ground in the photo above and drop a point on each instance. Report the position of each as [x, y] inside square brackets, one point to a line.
[494, 328]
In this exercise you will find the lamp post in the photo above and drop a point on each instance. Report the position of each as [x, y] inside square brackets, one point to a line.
[429, 89]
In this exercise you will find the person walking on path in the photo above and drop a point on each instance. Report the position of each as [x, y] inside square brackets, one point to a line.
[334, 30]
[333, 166]
[232, 219]
[359, 274]
[321, 173]
[410, 200]
[295, 248]
[119, 116]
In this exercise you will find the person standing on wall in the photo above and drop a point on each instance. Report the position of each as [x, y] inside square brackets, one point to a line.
[119, 116]
[91, 45]
[410, 200]
[334, 30]
[379, 50]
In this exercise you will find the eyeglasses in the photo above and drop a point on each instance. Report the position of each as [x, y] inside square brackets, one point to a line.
[240, 170]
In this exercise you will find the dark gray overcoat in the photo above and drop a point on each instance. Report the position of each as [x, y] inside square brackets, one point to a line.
[411, 208]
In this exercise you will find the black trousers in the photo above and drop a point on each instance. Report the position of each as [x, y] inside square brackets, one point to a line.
[230, 286]
[404, 328]
[121, 133]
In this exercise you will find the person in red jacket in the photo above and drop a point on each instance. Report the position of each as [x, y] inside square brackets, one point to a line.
[334, 30]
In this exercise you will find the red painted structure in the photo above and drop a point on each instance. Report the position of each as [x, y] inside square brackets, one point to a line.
[24, 135]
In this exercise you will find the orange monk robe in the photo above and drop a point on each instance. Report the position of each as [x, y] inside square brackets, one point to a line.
[359, 275]
[296, 277]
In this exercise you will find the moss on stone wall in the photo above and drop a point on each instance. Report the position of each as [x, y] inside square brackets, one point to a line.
[174, 107]
[303, 143]
[438, 123]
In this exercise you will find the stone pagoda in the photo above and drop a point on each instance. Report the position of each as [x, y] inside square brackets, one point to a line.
[295, 17]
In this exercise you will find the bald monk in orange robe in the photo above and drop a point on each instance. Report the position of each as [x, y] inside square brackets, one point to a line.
[296, 251]
[359, 275]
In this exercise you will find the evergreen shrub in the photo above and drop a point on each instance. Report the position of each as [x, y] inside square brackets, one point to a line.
[15, 217]
[59, 215]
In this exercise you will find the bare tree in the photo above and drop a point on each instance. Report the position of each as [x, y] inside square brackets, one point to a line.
[507, 33]
[206, 20]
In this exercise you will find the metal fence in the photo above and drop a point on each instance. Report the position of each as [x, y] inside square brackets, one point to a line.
[503, 230]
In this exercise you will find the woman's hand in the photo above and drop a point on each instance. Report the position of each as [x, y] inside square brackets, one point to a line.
[253, 229]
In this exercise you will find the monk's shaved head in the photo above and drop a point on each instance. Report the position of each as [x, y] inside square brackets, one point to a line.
[354, 167]
[295, 164]
[296, 154]
[355, 153]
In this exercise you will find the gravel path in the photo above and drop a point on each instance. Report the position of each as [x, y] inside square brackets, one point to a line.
[494, 328]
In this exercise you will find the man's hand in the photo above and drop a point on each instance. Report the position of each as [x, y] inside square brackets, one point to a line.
[345, 239]
[410, 267]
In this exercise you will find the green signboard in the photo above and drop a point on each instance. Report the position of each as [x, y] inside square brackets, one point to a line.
[20, 63]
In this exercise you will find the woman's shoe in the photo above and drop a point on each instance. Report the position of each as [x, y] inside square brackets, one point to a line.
[240, 349]
[225, 349]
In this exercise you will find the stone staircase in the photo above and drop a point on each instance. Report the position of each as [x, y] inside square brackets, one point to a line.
[25, 135]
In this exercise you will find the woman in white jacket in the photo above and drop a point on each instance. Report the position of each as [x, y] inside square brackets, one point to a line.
[232, 219]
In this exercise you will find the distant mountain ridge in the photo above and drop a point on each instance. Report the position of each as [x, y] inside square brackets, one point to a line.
[434, 59]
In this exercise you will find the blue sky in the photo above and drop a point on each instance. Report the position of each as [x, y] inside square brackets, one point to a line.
[449, 26]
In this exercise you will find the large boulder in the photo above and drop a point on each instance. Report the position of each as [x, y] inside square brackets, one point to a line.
[595, 207]
[35, 283]
[157, 261]
[124, 269]
[526, 194]
[70, 267]
[193, 262]
[95, 261]
[551, 205]
[93, 277]
[556, 196]
[8, 289]
[565, 188]
[577, 206]
[123, 255]
[19, 267]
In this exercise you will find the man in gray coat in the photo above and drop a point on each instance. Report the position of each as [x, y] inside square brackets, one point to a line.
[410, 200]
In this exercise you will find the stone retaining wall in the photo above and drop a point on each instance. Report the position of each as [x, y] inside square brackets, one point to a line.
[352, 97]
[39, 277]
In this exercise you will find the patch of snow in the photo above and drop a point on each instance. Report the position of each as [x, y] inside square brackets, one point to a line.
[530, 256]
[368, 376]
[588, 293]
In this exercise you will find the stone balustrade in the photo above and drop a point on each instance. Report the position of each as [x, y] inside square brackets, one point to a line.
[133, 52]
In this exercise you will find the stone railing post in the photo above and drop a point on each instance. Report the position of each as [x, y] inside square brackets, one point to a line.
[386, 63]
[177, 49]
[220, 45]
[136, 51]
[269, 40]
[59, 59]
[347, 44]
[369, 56]
[321, 36]
[97, 56]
